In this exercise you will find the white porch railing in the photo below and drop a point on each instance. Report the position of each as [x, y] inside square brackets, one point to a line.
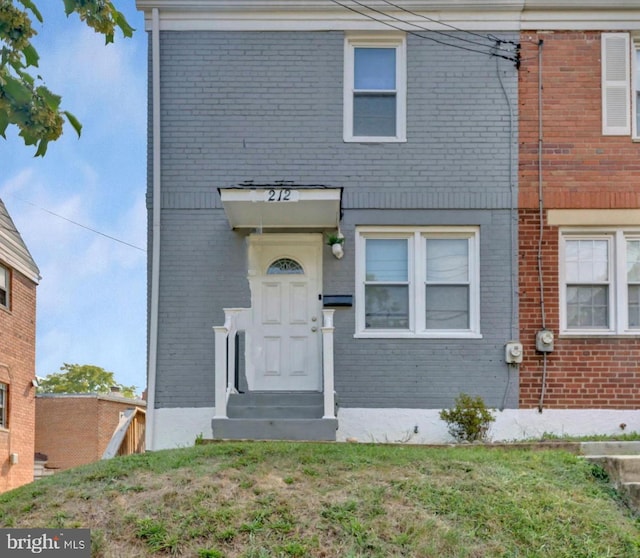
[327, 363]
[235, 320]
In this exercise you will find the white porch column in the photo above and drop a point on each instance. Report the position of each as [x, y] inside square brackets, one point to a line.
[327, 363]
[234, 321]
[220, 372]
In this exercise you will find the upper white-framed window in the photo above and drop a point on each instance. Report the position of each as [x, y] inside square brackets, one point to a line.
[5, 286]
[418, 282]
[375, 87]
[600, 282]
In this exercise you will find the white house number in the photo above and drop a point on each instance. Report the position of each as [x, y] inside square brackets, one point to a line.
[281, 195]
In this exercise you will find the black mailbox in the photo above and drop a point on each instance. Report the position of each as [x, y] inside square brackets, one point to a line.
[337, 300]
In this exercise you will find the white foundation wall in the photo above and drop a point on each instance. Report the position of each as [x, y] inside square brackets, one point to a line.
[179, 427]
[420, 426]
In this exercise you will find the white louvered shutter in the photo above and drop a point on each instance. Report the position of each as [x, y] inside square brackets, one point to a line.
[616, 84]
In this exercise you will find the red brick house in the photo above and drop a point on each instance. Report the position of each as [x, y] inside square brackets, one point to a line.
[75, 429]
[579, 214]
[19, 277]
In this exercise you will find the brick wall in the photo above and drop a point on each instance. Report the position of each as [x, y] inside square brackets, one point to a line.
[75, 430]
[17, 368]
[581, 169]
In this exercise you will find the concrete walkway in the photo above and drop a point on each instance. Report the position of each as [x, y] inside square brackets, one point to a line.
[621, 460]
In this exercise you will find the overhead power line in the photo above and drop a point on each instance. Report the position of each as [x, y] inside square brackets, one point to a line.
[494, 49]
[79, 224]
[439, 22]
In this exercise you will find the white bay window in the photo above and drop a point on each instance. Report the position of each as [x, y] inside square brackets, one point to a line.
[418, 282]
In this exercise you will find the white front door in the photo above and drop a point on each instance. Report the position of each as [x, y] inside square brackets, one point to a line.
[284, 340]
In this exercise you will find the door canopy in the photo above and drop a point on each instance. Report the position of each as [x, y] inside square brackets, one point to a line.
[282, 205]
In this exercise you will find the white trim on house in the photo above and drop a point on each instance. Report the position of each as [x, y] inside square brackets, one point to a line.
[416, 238]
[399, 425]
[593, 217]
[281, 207]
[390, 40]
[325, 15]
[179, 427]
[154, 298]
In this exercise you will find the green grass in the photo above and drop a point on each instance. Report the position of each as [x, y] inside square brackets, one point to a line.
[254, 500]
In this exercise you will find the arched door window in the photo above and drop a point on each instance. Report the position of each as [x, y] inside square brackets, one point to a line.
[285, 266]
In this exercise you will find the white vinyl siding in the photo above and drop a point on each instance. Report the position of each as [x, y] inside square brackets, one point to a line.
[600, 282]
[616, 78]
[375, 87]
[417, 282]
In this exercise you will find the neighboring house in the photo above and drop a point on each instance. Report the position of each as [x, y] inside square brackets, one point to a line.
[19, 277]
[75, 429]
[580, 174]
[274, 124]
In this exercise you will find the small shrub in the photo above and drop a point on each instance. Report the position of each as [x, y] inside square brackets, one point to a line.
[469, 420]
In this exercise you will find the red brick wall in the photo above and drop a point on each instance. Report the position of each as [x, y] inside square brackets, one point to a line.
[74, 431]
[581, 169]
[17, 368]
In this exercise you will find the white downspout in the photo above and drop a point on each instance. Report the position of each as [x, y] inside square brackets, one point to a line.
[155, 234]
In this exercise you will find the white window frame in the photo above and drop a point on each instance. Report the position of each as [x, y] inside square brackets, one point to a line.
[417, 279]
[5, 286]
[4, 398]
[398, 41]
[618, 289]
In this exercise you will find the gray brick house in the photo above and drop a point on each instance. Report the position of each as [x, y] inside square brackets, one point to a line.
[275, 125]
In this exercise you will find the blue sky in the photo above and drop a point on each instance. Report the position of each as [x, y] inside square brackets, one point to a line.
[92, 297]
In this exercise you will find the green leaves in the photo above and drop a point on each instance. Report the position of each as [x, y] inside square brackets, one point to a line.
[85, 378]
[34, 10]
[101, 16]
[31, 55]
[24, 101]
[16, 91]
[74, 122]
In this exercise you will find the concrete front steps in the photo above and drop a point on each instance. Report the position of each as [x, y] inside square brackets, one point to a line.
[275, 415]
[621, 461]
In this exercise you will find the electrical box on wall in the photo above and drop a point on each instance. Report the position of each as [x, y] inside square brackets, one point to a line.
[513, 352]
[544, 341]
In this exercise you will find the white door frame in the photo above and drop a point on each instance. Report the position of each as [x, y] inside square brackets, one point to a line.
[289, 246]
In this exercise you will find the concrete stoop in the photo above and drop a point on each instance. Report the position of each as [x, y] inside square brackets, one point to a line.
[621, 461]
[275, 416]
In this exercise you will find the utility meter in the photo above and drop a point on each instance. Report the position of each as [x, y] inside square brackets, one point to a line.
[544, 341]
[513, 352]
